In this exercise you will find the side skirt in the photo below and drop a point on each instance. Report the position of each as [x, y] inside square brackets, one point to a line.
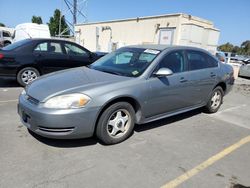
[165, 115]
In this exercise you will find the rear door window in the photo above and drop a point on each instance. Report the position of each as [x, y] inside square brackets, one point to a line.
[42, 47]
[55, 47]
[200, 60]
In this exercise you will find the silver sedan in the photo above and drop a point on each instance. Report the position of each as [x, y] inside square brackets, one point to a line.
[133, 85]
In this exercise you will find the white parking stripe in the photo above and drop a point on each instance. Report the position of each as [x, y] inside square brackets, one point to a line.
[9, 101]
[230, 109]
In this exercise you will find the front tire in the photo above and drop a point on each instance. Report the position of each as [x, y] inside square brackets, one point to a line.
[116, 123]
[215, 100]
[27, 75]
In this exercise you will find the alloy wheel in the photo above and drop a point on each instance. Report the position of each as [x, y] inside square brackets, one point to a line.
[216, 100]
[119, 123]
[28, 76]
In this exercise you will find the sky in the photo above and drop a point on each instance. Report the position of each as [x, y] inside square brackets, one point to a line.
[230, 16]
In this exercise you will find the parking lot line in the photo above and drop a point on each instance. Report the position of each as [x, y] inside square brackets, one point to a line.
[205, 164]
[9, 101]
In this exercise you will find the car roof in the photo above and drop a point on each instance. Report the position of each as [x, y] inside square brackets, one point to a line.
[161, 47]
[48, 39]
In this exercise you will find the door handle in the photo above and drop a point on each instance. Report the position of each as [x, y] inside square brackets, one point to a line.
[183, 80]
[212, 74]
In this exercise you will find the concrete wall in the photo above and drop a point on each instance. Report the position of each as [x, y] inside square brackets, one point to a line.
[145, 30]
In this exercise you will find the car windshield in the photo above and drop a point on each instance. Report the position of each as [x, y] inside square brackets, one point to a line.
[16, 45]
[131, 62]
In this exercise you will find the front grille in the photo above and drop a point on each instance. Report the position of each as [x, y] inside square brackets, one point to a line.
[32, 100]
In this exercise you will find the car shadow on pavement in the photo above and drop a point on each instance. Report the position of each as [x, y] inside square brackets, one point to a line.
[65, 143]
[167, 121]
[245, 77]
[8, 83]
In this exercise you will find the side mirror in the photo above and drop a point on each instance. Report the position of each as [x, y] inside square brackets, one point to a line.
[163, 72]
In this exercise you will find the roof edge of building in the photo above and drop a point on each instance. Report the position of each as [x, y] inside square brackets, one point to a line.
[147, 17]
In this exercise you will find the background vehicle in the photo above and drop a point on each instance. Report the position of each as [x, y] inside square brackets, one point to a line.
[135, 84]
[5, 38]
[245, 70]
[246, 61]
[30, 30]
[30, 58]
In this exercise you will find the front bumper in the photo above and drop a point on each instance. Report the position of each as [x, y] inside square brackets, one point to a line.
[59, 124]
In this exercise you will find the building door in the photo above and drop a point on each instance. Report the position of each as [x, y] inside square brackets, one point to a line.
[166, 36]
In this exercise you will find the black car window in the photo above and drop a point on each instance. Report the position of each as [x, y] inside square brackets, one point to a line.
[42, 47]
[6, 34]
[200, 60]
[55, 47]
[74, 50]
[174, 61]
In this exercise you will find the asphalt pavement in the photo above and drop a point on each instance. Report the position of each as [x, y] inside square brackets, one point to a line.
[193, 149]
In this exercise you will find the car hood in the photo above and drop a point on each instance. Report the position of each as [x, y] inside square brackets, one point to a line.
[68, 81]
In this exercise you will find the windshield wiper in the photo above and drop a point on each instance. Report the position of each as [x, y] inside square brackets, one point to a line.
[111, 72]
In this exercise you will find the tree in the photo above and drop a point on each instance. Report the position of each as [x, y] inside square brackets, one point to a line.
[54, 23]
[236, 49]
[36, 19]
[226, 47]
[2, 25]
[246, 47]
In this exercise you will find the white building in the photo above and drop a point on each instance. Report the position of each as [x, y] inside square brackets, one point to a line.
[170, 29]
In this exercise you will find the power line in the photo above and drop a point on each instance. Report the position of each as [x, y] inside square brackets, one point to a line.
[76, 9]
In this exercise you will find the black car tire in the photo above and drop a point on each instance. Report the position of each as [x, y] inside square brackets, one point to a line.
[214, 105]
[20, 75]
[105, 131]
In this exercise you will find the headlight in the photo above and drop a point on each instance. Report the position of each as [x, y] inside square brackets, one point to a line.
[69, 101]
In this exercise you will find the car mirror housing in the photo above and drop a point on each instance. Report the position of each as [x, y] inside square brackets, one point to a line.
[163, 72]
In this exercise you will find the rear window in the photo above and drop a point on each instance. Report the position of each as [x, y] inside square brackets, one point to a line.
[16, 44]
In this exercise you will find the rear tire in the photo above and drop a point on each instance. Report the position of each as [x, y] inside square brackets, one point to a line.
[27, 75]
[116, 123]
[215, 100]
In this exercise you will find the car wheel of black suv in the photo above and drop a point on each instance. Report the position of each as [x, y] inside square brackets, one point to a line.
[215, 100]
[116, 123]
[27, 75]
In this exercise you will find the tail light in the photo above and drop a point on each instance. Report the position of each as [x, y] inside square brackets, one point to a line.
[1, 56]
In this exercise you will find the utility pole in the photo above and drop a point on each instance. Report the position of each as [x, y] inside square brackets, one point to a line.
[74, 12]
[75, 8]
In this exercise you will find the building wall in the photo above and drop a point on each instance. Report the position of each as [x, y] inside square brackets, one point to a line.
[134, 31]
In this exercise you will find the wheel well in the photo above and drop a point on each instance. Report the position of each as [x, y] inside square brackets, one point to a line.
[222, 85]
[135, 104]
[6, 41]
[24, 66]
